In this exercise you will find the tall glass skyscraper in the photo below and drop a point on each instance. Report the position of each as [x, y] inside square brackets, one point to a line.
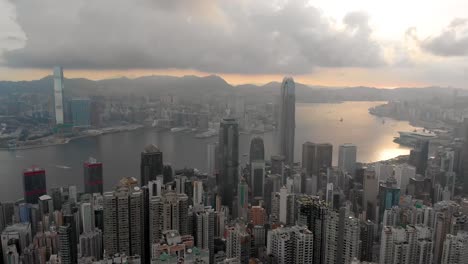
[287, 122]
[257, 167]
[34, 183]
[58, 95]
[151, 164]
[229, 160]
[81, 112]
[92, 176]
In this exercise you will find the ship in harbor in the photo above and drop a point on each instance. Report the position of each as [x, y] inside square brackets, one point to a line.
[411, 139]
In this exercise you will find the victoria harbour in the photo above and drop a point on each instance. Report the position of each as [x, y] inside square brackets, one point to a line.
[120, 152]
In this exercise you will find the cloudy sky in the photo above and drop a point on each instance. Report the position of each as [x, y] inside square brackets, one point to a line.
[322, 42]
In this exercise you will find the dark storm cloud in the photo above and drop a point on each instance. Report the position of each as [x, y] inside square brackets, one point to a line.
[206, 35]
[452, 41]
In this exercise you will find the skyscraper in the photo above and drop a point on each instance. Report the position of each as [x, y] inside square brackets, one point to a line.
[81, 112]
[211, 159]
[419, 155]
[204, 230]
[168, 212]
[242, 199]
[290, 245]
[389, 196]
[229, 160]
[34, 184]
[151, 164]
[312, 212]
[410, 244]
[58, 95]
[257, 149]
[287, 122]
[123, 221]
[92, 176]
[347, 158]
[67, 247]
[238, 243]
[316, 159]
[257, 167]
[455, 249]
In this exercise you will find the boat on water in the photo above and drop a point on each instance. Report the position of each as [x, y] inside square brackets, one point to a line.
[207, 134]
[411, 139]
[62, 167]
[178, 129]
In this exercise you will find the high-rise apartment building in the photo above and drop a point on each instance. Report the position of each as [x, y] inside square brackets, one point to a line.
[342, 234]
[68, 252]
[34, 184]
[229, 160]
[168, 212]
[151, 164]
[93, 179]
[123, 221]
[287, 122]
[312, 212]
[410, 244]
[290, 245]
[204, 231]
[238, 243]
[455, 249]
[347, 158]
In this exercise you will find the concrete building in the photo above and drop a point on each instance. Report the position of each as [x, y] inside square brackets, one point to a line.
[204, 231]
[347, 158]
[151, 164]
[238, 243]
[17, 234]
[412, 244]
[290, 245]
[455, 249]
[120, 234]
[168, 212]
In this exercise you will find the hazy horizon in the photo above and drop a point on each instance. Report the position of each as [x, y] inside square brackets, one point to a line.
[327, 43]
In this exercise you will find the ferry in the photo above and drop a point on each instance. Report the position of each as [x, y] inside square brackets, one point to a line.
[62, 167]
[207, 134]
[178, 129]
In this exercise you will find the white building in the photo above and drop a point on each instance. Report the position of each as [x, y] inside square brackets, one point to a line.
[290, 245]
[455, 249]
[409, 245]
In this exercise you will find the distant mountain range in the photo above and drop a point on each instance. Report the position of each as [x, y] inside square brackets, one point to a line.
[214, 87]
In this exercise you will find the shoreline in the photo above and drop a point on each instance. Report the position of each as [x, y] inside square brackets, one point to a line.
[68, 140]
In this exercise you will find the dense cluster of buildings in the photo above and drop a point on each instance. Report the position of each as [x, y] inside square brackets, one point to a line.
[275, 210]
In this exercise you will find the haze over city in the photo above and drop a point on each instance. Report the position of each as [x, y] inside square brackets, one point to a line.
[233, 132]
[330, 43]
